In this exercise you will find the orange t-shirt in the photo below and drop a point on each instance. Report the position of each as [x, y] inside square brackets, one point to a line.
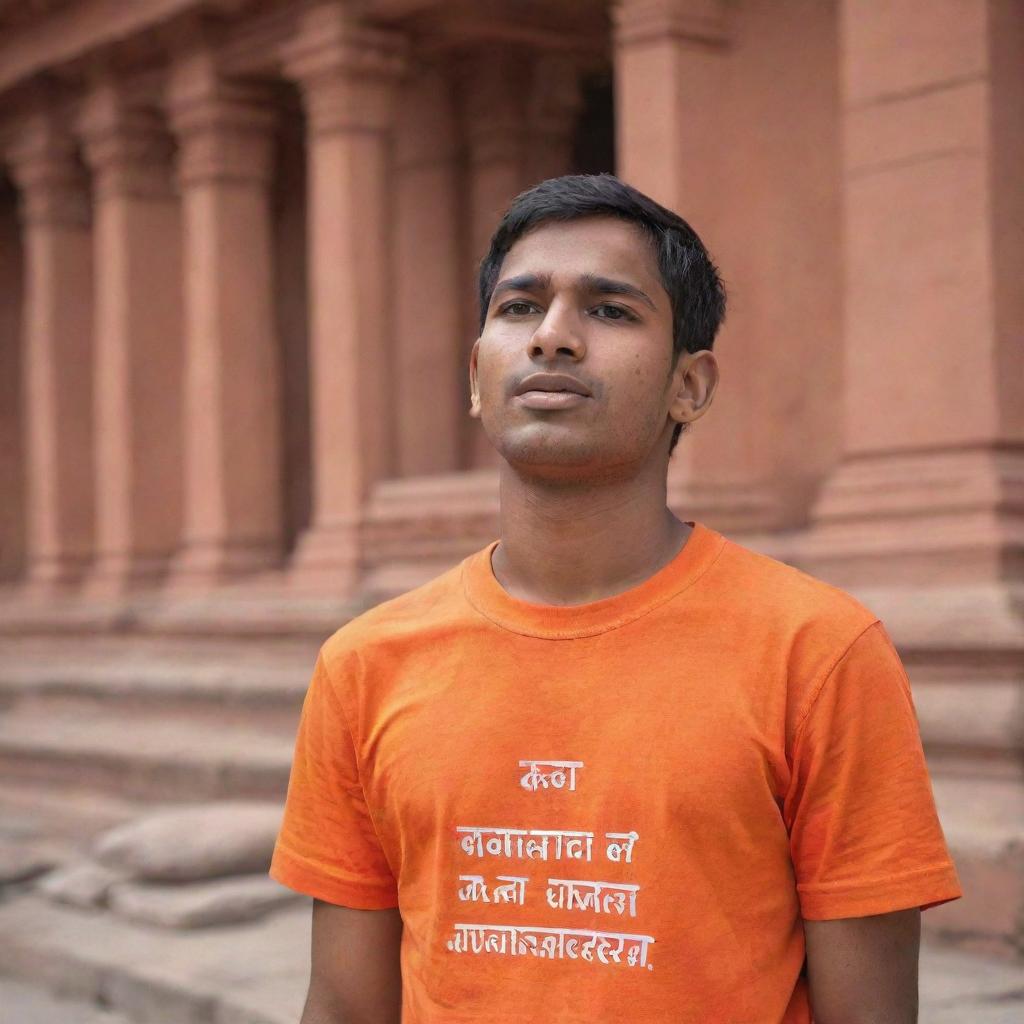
[617, 811]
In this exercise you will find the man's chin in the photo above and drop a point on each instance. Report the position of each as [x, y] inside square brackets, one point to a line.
[549, 456]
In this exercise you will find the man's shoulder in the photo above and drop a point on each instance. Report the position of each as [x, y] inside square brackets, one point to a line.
[414, 614]
[787, 597]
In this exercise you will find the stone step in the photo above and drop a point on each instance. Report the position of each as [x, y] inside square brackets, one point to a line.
[983, 820]
[257, 972]
[260, 683]
[56, 824]
[252, 973]
[28, 1004]
[251, 608]
[164, 757]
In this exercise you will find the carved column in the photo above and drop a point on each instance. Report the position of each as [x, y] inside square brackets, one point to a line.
[934, 410]
[555, 100]
[12, 396]
[708, 126]
[518, 113]
[430, 395]
[231, 399]
[348, 77]
[137, 274]
[671, 63]
[57, 328]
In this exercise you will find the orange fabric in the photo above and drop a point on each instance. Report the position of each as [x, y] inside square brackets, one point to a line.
[727, 748]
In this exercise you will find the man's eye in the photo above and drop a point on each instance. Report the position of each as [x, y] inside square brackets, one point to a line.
[517, 308]
[608, 312]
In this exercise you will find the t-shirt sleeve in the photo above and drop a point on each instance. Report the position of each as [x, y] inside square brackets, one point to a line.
[327, 846]
[865, 836]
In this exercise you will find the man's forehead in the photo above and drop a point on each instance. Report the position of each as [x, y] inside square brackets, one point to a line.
[597, 246]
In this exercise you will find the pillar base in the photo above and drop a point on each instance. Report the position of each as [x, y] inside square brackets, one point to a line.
[56, 573]
[121, 572]
[945, 516]
[735, 509]
[328, 559]
[203, 564]
[415, 528]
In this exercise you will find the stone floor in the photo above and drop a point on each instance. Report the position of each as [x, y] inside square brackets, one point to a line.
[64, 966]
[28, 1004]
[962, 988]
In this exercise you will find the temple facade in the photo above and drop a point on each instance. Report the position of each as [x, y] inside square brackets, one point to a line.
[238, 247]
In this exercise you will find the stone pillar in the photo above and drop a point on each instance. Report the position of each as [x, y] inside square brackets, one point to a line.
[12, 398]
[232, 499]
[57, 319]
[934, 410]
[494, 86]
[518, 111]
[924, 516]
[707, 125]
[137, 395]
[348, 77]
[671, 66]
[430, 395]
[555, 101]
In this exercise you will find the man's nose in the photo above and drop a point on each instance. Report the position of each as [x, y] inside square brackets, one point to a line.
[557, 334]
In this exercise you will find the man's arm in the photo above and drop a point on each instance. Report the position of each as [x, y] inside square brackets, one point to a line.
[355, 975]
[863, 970]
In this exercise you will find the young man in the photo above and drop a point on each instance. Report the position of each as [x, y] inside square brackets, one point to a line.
[612, 767]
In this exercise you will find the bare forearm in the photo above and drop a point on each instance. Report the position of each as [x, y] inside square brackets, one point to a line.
[864, 970]
[323, 1010]
[355, 975]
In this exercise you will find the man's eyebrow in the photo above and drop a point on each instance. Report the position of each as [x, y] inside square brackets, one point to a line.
[611, 286]
[587, 282]
[523, 283]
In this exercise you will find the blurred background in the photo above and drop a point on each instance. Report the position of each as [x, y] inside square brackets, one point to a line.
[238, 244]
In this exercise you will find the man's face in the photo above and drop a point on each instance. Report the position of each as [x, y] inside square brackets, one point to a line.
[584, 299]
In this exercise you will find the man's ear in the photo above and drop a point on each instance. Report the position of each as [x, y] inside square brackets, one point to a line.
[474, 390]
[695, 380]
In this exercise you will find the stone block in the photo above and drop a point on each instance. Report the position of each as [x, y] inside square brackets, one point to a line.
[917, 127]
[896, 48]
[28, 1004]
[990, 917]
[195, 842]
[84, 884]
[920, 277]
[199, 904]
[21, 863]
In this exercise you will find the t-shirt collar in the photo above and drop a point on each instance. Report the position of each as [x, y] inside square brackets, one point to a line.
[566, 622]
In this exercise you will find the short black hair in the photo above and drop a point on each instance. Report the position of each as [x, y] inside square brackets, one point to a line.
[687, 271]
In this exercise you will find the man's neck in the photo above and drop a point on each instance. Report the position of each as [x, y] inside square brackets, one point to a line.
[565, 544]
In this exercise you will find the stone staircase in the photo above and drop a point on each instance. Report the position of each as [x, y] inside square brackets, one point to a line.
[151, 719]
[983, 820]
[99, 728]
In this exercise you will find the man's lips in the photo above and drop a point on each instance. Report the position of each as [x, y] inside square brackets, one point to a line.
[550, 399]
[552, 383]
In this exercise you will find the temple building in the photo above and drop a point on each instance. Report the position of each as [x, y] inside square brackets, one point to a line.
[238, 251]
